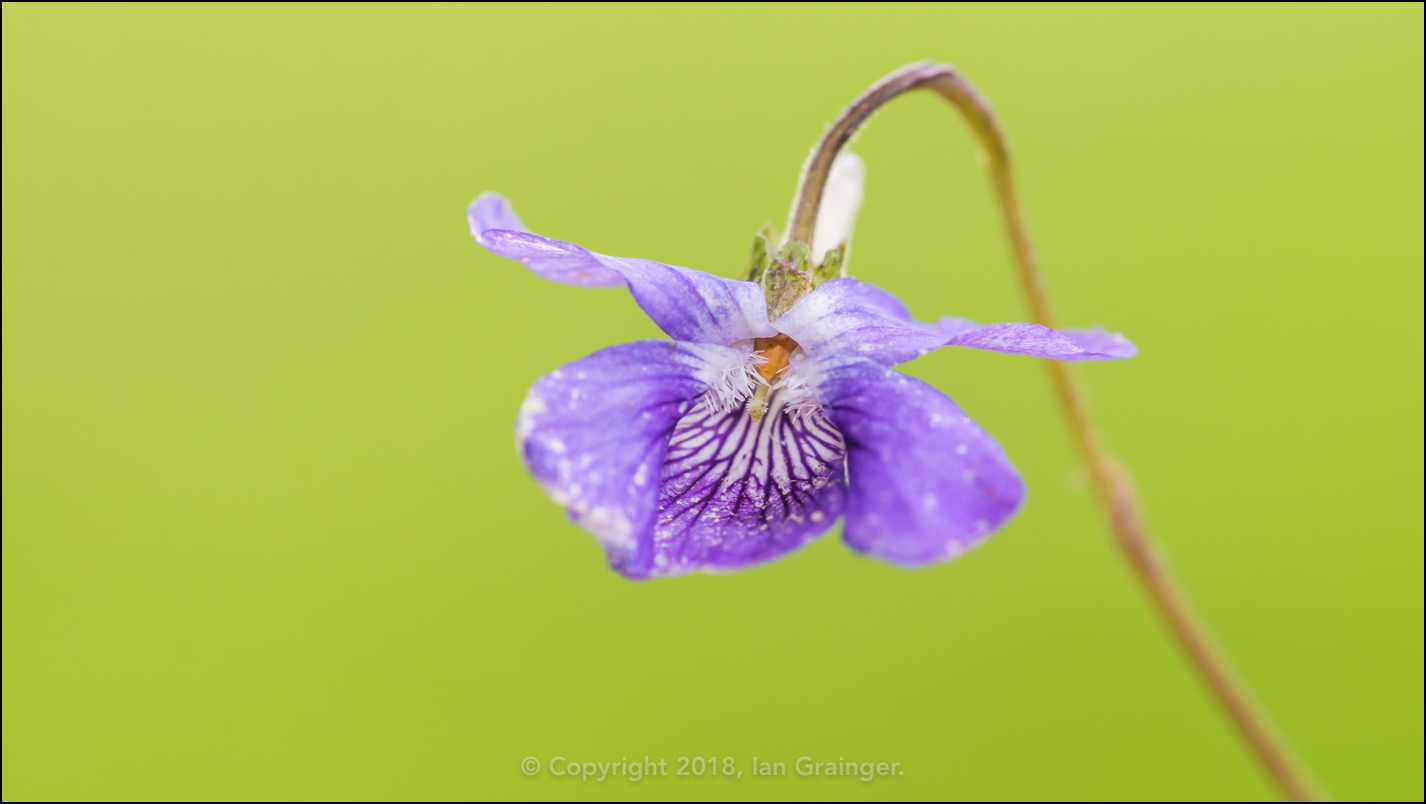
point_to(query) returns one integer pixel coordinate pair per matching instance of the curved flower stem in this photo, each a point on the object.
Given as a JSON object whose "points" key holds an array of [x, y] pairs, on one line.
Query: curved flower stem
{"points": [[1111, 481]]}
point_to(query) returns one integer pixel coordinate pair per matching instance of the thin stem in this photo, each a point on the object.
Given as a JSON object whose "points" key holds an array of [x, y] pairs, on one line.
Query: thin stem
{"points": [[1111, 481]]}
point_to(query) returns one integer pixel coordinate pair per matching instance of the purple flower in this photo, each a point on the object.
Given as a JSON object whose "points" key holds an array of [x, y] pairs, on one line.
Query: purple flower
{"points": [[773, 410]]}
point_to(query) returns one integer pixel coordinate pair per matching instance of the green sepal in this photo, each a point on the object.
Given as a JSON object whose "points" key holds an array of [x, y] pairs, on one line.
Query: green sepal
{"points": [[833, 265], [758, 259], [786, 279]]}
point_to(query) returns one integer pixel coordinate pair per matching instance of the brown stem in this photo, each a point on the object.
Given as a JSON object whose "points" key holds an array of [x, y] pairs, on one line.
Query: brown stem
{"points": [[1116, 493]]}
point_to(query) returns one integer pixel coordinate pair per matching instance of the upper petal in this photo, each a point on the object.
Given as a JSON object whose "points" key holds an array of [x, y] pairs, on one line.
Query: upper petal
{"points": [[1099, 344], [693, 306], [595, 432], [926, 483], [492, 211], [953, 325], [1037, 341], [554, 260], [849, 318], [689, 305]]}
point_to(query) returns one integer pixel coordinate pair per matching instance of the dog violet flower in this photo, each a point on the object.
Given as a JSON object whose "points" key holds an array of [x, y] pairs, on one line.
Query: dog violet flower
{"points": [[775, 409], [772, 411]]}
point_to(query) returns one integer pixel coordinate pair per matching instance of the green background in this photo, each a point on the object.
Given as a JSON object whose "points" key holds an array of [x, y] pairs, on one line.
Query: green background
{"points": [[265, 533]]}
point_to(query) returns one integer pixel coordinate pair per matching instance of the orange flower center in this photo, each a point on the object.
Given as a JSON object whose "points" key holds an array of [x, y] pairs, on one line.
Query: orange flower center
{"points": [[775, 350]]}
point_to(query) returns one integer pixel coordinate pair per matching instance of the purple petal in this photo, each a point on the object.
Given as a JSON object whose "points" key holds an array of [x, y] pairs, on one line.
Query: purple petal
{"points": [[848, 318], [737, 492], [594, 433], [951, 326], [492, 211], [689, 305], [1101, 345], [852, 318], [1037, 341], [565, 263], [872, 299], [693, 306], [926, 483]]}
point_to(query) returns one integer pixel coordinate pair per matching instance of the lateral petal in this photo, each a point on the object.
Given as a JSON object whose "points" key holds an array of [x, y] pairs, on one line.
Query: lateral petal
{"points": [[925, 482], [595, 432], [686, 304]]}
